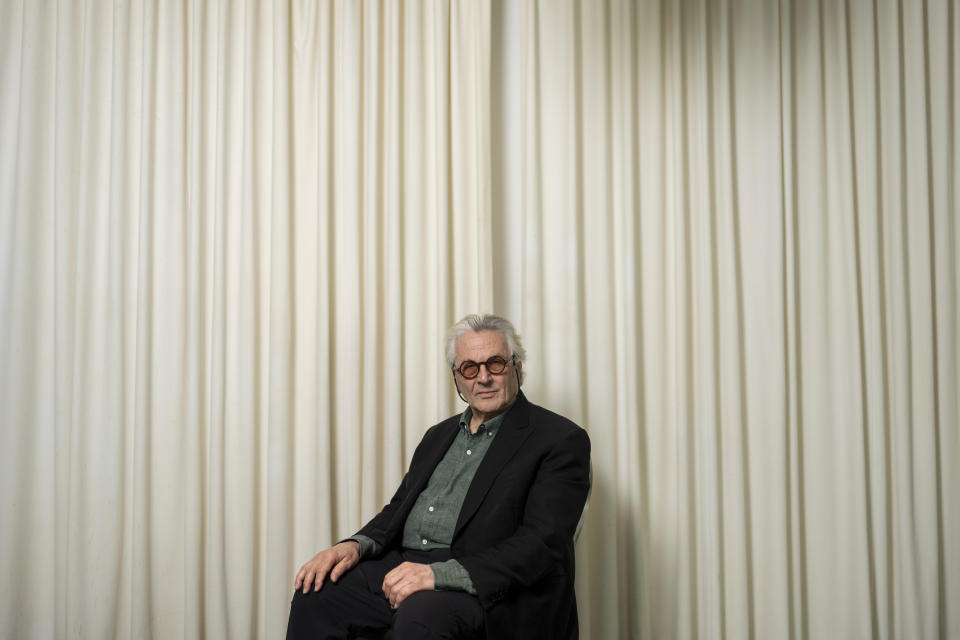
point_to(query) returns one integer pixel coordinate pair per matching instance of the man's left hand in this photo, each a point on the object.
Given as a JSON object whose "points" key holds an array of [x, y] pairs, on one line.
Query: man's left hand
{"points": [[407, 578]]}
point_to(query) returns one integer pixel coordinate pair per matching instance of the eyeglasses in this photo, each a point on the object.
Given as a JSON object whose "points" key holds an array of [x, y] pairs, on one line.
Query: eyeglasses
{"points": [[495, 366]]}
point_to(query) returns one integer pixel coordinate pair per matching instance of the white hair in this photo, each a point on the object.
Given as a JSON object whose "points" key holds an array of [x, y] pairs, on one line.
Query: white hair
{"points": [[486, 322]]}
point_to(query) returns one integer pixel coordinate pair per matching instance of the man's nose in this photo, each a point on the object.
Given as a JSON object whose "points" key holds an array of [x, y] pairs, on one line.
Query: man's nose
{"points": [[484, 375]]}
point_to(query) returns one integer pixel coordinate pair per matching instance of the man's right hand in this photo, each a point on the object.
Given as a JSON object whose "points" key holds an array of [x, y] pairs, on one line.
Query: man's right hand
{"points": [[336, 561]]}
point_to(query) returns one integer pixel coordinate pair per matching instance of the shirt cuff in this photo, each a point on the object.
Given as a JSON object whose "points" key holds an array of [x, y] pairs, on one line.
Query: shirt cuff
{"points": [[368, 546], [451, 576]]}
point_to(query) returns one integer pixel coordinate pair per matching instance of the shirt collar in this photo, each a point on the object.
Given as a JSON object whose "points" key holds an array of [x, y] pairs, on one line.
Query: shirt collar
{"points": [[490, 425]]}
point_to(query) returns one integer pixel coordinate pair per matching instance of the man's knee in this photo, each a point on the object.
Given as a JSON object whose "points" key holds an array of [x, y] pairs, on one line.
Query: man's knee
{"points": [[307, 610], [439, 614], [323, 613]]}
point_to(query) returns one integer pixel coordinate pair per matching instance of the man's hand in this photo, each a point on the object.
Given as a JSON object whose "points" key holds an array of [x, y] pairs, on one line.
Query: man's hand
{"points": [[336, 561], [407, 578]]}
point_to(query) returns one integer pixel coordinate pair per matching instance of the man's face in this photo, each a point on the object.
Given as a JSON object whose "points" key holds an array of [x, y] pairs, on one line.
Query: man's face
{"points": [[487, 394]]}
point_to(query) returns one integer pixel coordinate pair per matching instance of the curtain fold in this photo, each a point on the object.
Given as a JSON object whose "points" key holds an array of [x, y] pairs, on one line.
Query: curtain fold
{"points": [[745, 211], [233, 234]]}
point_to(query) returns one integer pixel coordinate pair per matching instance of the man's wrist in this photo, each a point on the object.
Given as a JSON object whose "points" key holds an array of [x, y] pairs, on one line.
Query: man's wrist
{"points": [[451, 576], [368, 547]]}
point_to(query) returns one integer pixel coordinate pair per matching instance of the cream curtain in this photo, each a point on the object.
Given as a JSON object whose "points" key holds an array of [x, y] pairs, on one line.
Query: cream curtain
{"points": [[232, 235], [729, 231]]}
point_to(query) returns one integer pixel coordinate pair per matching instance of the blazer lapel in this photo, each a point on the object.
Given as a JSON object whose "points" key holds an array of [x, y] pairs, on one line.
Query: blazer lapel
{"points": [[432, 457], [513, 433]]}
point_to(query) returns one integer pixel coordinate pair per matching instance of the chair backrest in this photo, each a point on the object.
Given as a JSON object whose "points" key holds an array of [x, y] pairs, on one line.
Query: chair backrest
{"points": [[583, 514]]}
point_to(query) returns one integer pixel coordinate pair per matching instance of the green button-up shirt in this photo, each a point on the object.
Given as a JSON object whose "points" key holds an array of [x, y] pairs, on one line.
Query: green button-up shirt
{"points": [[434, 515]]}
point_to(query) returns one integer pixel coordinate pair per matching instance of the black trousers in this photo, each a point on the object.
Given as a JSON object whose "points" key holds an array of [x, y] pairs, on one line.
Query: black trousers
{"points": [[355, 603]]}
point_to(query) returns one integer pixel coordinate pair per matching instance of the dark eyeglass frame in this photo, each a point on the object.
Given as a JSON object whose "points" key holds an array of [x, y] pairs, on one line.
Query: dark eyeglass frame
{"points": [[496, 365]]}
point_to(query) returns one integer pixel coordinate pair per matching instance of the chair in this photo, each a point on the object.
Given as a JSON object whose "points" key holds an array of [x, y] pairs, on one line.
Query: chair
{"points": [[387, 635]]}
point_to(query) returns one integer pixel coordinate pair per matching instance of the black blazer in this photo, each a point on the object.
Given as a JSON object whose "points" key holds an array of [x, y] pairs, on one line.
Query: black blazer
{"points": [[514, 535]]}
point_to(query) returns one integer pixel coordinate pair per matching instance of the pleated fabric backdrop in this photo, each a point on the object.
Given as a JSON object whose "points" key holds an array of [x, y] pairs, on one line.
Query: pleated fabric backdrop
{"points": [[232, 235]]}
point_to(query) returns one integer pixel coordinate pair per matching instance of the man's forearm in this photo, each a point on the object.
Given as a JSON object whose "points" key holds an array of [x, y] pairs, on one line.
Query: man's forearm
{"points": [[448, 576]]}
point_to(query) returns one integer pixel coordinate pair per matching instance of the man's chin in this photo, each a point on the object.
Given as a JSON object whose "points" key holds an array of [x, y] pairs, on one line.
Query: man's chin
{"points": [[489, 404]]}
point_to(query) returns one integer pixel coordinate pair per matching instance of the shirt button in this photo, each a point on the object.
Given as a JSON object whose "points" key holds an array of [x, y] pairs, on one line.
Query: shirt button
{"points": [[489, 433], [424, 541], [429, 508], [469, 452]]}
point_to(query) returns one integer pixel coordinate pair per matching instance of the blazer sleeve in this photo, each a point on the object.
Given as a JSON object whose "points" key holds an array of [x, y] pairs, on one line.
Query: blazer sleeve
{"points": [[542, 544]]}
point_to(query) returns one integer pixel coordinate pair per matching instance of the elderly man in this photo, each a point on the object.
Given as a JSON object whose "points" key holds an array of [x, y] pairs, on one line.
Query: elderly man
{"points": [[478, 540]]}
